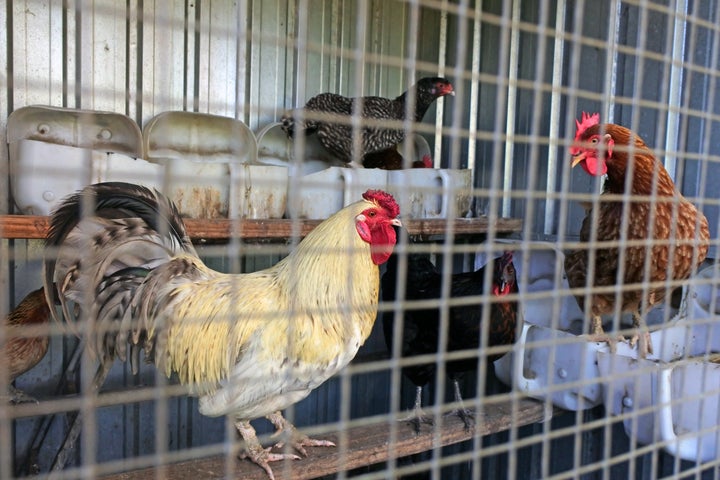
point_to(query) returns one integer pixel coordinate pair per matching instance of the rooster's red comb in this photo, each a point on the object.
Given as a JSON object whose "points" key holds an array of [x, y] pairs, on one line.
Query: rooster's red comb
{"points": [[586, 122], [384, 199]]}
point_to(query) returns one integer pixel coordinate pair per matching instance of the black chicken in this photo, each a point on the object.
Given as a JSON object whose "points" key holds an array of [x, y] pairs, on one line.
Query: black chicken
{"points": [[329, 115], [421, 326]]}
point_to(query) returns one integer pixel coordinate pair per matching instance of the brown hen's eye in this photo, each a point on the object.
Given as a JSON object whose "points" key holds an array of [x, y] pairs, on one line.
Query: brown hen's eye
{"points": [[371, 213]]}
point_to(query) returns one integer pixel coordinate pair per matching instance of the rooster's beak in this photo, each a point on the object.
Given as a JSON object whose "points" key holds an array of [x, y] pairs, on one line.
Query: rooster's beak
{"points": [[577, 159], [396, 222]]}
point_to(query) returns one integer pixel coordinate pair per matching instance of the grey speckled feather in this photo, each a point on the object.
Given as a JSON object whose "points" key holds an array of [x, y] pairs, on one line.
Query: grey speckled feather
{"points": [[330, 115]]}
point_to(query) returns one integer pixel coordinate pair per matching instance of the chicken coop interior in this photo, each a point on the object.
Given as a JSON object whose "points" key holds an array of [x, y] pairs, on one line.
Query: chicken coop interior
{"points": [[417, 239]]}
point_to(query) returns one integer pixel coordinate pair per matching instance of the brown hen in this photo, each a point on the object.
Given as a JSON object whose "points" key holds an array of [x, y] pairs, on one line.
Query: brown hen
{"points": [[659, 219], [23, 349]]}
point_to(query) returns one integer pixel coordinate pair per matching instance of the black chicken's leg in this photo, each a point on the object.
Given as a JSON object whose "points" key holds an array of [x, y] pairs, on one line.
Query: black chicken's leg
{"points": [[467, 416], [417, 416]]}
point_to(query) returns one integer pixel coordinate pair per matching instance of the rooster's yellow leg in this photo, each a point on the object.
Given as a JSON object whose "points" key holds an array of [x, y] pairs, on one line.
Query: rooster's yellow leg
{"points": [[255, 452], [296, 439], [641, 336]]}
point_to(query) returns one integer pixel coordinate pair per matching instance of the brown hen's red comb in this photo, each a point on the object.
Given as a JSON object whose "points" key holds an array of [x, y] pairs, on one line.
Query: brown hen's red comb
{"points": [[587, 122], [384, 199]]}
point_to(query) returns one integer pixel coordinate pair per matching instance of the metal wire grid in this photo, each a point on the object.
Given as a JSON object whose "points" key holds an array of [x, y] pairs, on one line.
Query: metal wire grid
{"points": [[522, 72]]}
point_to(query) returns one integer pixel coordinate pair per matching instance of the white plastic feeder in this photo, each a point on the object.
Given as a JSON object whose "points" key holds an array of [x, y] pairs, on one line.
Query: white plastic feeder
{"points": [[549, 360], [323, 193], [428, 192], [56, 151], [275, 148], [678, 387], [210, 166], [323, 184]]}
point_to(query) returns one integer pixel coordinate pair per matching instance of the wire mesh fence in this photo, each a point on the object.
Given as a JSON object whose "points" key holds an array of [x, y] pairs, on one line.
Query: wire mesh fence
{"points": [[532, 320]]}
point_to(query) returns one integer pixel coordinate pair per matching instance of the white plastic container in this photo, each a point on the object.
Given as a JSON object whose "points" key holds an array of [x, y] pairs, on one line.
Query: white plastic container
{"points": [[431, 193], [275, 148], [56, 151], [321, 184], [678, 388], [549, 360], [210, 166], [320, 194], [258, 191]]}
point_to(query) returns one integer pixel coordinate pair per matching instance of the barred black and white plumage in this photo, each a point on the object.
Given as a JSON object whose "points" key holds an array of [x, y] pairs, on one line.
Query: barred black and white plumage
{"points": [[330, 115], [102, 242]]}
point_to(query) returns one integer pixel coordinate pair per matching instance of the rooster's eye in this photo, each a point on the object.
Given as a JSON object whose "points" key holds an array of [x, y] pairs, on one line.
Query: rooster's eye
{"points": [[372, 213], [594, 140]]}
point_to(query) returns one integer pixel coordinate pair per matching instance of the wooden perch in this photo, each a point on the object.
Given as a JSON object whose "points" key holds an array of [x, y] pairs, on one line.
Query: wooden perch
{"points": [[367, 445], [35, 227]]}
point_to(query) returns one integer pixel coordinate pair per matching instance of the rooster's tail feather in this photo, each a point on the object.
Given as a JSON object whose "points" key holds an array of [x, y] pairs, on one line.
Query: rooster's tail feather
{"points": [[102, 243]]}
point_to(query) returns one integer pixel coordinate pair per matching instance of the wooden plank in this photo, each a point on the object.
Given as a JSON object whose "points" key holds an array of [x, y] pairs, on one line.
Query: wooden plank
{"points": [[367, 445], [35, 227]]}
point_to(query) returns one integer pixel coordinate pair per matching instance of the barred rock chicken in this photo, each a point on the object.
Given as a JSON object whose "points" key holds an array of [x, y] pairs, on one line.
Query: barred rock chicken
{"points": [[421, 327], [330, 116], [658, 213], [249, 345], [24, 347]]}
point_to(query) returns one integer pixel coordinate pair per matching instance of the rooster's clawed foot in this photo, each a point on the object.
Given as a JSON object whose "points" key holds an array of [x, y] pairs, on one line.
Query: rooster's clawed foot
{"points": [[253, 450], [296, 439]]}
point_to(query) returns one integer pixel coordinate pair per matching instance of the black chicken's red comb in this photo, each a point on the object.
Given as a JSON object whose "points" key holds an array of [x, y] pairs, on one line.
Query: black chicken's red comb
{"points": [[384, 199]]}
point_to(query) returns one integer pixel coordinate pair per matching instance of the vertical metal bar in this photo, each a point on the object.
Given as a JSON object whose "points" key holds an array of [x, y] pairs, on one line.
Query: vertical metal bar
{"points": [[675, 94], [555, 103], [241, 67], [513, 66], [611, 78], [474, 87], [440, 109]]}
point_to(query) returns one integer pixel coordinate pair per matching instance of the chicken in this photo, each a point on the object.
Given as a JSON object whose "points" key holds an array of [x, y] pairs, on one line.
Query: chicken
{"points": [[24, 346], [330, 116], [391, 159], [658, 213], [421, 327], [249, 345]]}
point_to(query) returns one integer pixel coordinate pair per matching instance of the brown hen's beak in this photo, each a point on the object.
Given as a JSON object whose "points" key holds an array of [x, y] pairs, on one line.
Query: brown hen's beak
{"points": [[577, 159], [396, 222]]}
